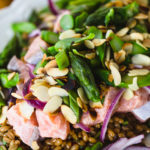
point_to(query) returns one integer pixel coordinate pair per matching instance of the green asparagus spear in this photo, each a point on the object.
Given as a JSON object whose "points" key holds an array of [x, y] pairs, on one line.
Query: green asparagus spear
{"points": [[85, 77]]}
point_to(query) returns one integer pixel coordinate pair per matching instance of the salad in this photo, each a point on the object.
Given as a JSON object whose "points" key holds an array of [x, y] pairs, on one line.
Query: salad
{"points": [[76, 76]]}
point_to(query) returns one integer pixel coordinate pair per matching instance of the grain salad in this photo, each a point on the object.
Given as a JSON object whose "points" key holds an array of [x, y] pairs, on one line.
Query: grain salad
{"points": [[76, 76]]}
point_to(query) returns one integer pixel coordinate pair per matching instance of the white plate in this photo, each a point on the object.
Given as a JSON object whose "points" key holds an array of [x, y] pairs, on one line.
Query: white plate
{"points": [[19, 10]]}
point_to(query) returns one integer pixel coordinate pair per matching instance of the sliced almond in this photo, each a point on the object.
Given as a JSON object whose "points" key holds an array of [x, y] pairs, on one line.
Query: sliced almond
{"points": [[3, 116], [40, 71], [90, 55], [16, 95], [68, 114], [108, 33], [67, 34], [35, 85], [51, 64], [141, 16], [107, 54], [56, 72], [128, 48], [26, 110], [82, 95], [128, 94], [138, 72], [89, 44], [50, 80], [96, 104], [79, 102], [141, 59], [146, 43], [98, 42], [53, 91], [149, 16], [126, 38], [11, 75], [122, 32], [53, 104], [115, 73], [77, 35], [134, 86], [136, 36], [120, 56], [35, 145], [41, 92], [139, 43], [132, 23], [39, 81]]}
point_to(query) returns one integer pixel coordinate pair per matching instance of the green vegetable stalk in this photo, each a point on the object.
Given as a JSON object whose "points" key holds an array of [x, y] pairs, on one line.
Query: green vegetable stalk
{"points": [[85, 77]]}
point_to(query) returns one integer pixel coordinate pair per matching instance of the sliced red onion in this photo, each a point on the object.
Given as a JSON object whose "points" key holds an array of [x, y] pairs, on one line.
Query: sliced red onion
{"points": [[31, 68], [26, 87], [83, 127], [53, 7], [109, 113], [137, 148], [34, 33], [36, 104], [142, 113], [123, 143]]}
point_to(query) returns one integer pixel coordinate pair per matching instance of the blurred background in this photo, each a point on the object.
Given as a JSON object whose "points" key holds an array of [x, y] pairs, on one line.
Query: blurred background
{"points": [[4, 3]]}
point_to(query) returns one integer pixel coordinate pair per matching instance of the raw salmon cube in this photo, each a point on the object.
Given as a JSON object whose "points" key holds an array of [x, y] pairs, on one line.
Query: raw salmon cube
{"points": [[52, 125]]}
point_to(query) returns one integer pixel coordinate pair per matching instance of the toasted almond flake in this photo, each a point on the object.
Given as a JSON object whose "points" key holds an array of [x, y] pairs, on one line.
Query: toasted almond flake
{"points": [[3, 116], [89, 44], [26, 110], [16, 96], [115, 73], [139, 43], [149, 16], [134, 85], [36, 81], [44, 57], [67, 34], [40, 71], [126, 38], [35, 85], [50, 80], [82, 95], [136, 36], [35, 145], [79, 102], [143, 3], [102, 27], [122, 32], [107, 54], [68, 114], [77, 35], [56, 72], [120, 56], [50, 58], [141, 59], [57, 91], [110, 78], [49, 18], [146, 35], [146, 43], [98, 42], [41, 92], [90, 55], [128, 94], [53, 104], [128, 47], [132, 23], [108, 33], [141, 16], [11, 75], [51, 64], [96, 104], [138, 72]]}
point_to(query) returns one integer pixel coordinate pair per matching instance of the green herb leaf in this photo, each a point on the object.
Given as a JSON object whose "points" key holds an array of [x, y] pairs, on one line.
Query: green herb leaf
{"points": [[67, 22], [50, 37], [23, 27]]}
